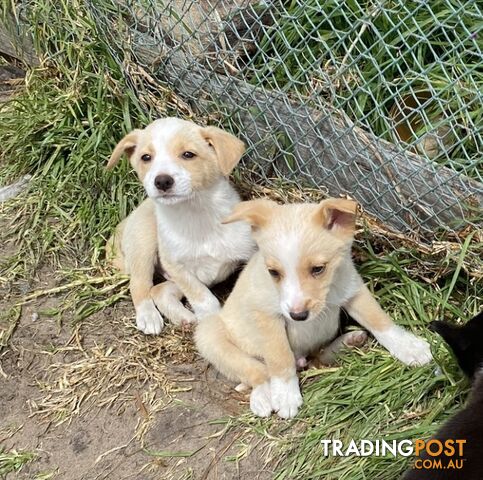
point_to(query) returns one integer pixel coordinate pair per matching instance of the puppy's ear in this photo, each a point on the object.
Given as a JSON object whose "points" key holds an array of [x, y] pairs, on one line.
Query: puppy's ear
{"points": [[126, 145], [255, 212], [337, 215], [228, 148]]}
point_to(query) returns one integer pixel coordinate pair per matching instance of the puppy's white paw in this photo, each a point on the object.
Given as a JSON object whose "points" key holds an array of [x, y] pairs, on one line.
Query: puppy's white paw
{"points": [[286, 397], [356, 338], [242, 388], [188, 320], [181, 317], [260, 400], [406, 347], [148, 318], [208, 306]]}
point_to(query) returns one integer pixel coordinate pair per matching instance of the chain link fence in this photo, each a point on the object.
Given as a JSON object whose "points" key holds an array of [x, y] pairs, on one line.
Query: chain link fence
{"points": [[379, 100]]}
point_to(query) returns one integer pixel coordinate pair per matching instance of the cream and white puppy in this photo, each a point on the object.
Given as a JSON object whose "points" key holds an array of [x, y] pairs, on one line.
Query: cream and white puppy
{"points": [[183, 168], [286, 302]]}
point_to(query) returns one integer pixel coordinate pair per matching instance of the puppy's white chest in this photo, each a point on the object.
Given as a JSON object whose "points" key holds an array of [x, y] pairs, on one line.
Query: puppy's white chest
{"points": [[209, 250], [208, 258]]}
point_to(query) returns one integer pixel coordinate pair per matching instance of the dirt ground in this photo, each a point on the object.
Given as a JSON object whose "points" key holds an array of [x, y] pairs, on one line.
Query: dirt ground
{"points": [[182, 437]]}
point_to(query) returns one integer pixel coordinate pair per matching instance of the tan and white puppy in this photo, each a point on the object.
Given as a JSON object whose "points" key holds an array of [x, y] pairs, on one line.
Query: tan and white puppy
{"points": [[286, 302], [183, 168]]}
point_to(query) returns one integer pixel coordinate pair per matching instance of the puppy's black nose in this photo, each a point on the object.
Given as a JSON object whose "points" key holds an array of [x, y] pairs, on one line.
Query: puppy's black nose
{"points": [[163, 182], [299, 315]]}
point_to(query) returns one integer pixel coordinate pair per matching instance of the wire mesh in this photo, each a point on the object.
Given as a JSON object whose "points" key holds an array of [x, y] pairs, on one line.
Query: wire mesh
{"points": [[379, 100]]}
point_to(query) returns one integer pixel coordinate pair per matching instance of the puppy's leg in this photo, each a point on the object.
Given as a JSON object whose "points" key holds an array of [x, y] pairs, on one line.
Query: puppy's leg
{"points": [[202, 301], [405, 346], [214, 344], [356, 338], [281, 365], [167, 297], [148, 318], [140, 247]]}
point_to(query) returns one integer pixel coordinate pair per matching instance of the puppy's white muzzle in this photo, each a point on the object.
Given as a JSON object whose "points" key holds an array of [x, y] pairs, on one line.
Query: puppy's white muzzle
{"points": [[168, 186]]}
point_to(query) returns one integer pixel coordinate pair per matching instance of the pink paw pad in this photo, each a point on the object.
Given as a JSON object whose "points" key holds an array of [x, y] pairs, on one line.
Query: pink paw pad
{"points": [[301, 362], [355, 339]]}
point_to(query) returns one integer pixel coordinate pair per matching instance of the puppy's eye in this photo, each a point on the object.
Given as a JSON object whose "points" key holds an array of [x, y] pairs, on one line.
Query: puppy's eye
{"points": [[188, 155], [274, 273], [317, 270], [146, 157]]}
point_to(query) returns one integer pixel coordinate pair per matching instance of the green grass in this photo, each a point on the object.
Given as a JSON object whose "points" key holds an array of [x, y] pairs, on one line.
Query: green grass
{"points": [[365, 57], [61, 129], [13, 461]]}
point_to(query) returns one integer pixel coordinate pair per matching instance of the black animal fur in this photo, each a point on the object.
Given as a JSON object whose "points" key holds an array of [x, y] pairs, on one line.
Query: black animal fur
{"points": [[467, 345]]}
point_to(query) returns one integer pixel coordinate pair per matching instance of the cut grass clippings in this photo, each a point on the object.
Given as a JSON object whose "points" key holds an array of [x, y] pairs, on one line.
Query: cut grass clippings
{"points": [[102, 375], [61, 129]]}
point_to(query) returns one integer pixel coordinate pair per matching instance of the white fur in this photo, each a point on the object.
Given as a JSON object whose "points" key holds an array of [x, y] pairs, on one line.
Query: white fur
{"points": [[148, 318], [345, 284], [405, 346], [308, 336], [354, 338], [286, 397], [209, 306], [167, 302], [189, 233], [260, 400], [193, 234], [291, 294], [163, 132]]}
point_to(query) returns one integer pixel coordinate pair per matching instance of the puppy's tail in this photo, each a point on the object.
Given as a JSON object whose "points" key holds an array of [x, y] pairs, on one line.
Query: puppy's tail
{"points": [[214, 344]]}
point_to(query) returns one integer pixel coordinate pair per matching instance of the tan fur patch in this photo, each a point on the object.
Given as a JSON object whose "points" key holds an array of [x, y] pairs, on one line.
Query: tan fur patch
{"points": [[140, 166], [256, 212], [228, 148], [203, 167], [337, 215], [126, 146], [315, 288]]}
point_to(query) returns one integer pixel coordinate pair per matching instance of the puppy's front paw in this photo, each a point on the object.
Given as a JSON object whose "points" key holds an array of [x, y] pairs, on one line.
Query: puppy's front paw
{"points": [[356, 338], [406, 347], [260, 400], [286, 397], [148, 318], [208, 306]]}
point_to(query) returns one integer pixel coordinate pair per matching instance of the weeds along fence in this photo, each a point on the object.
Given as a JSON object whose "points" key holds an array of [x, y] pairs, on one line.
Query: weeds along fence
{"points": [[379, 100]]}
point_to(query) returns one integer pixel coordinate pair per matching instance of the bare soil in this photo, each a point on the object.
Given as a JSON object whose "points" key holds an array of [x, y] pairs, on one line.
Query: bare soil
{"points": [[183, 438]]}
